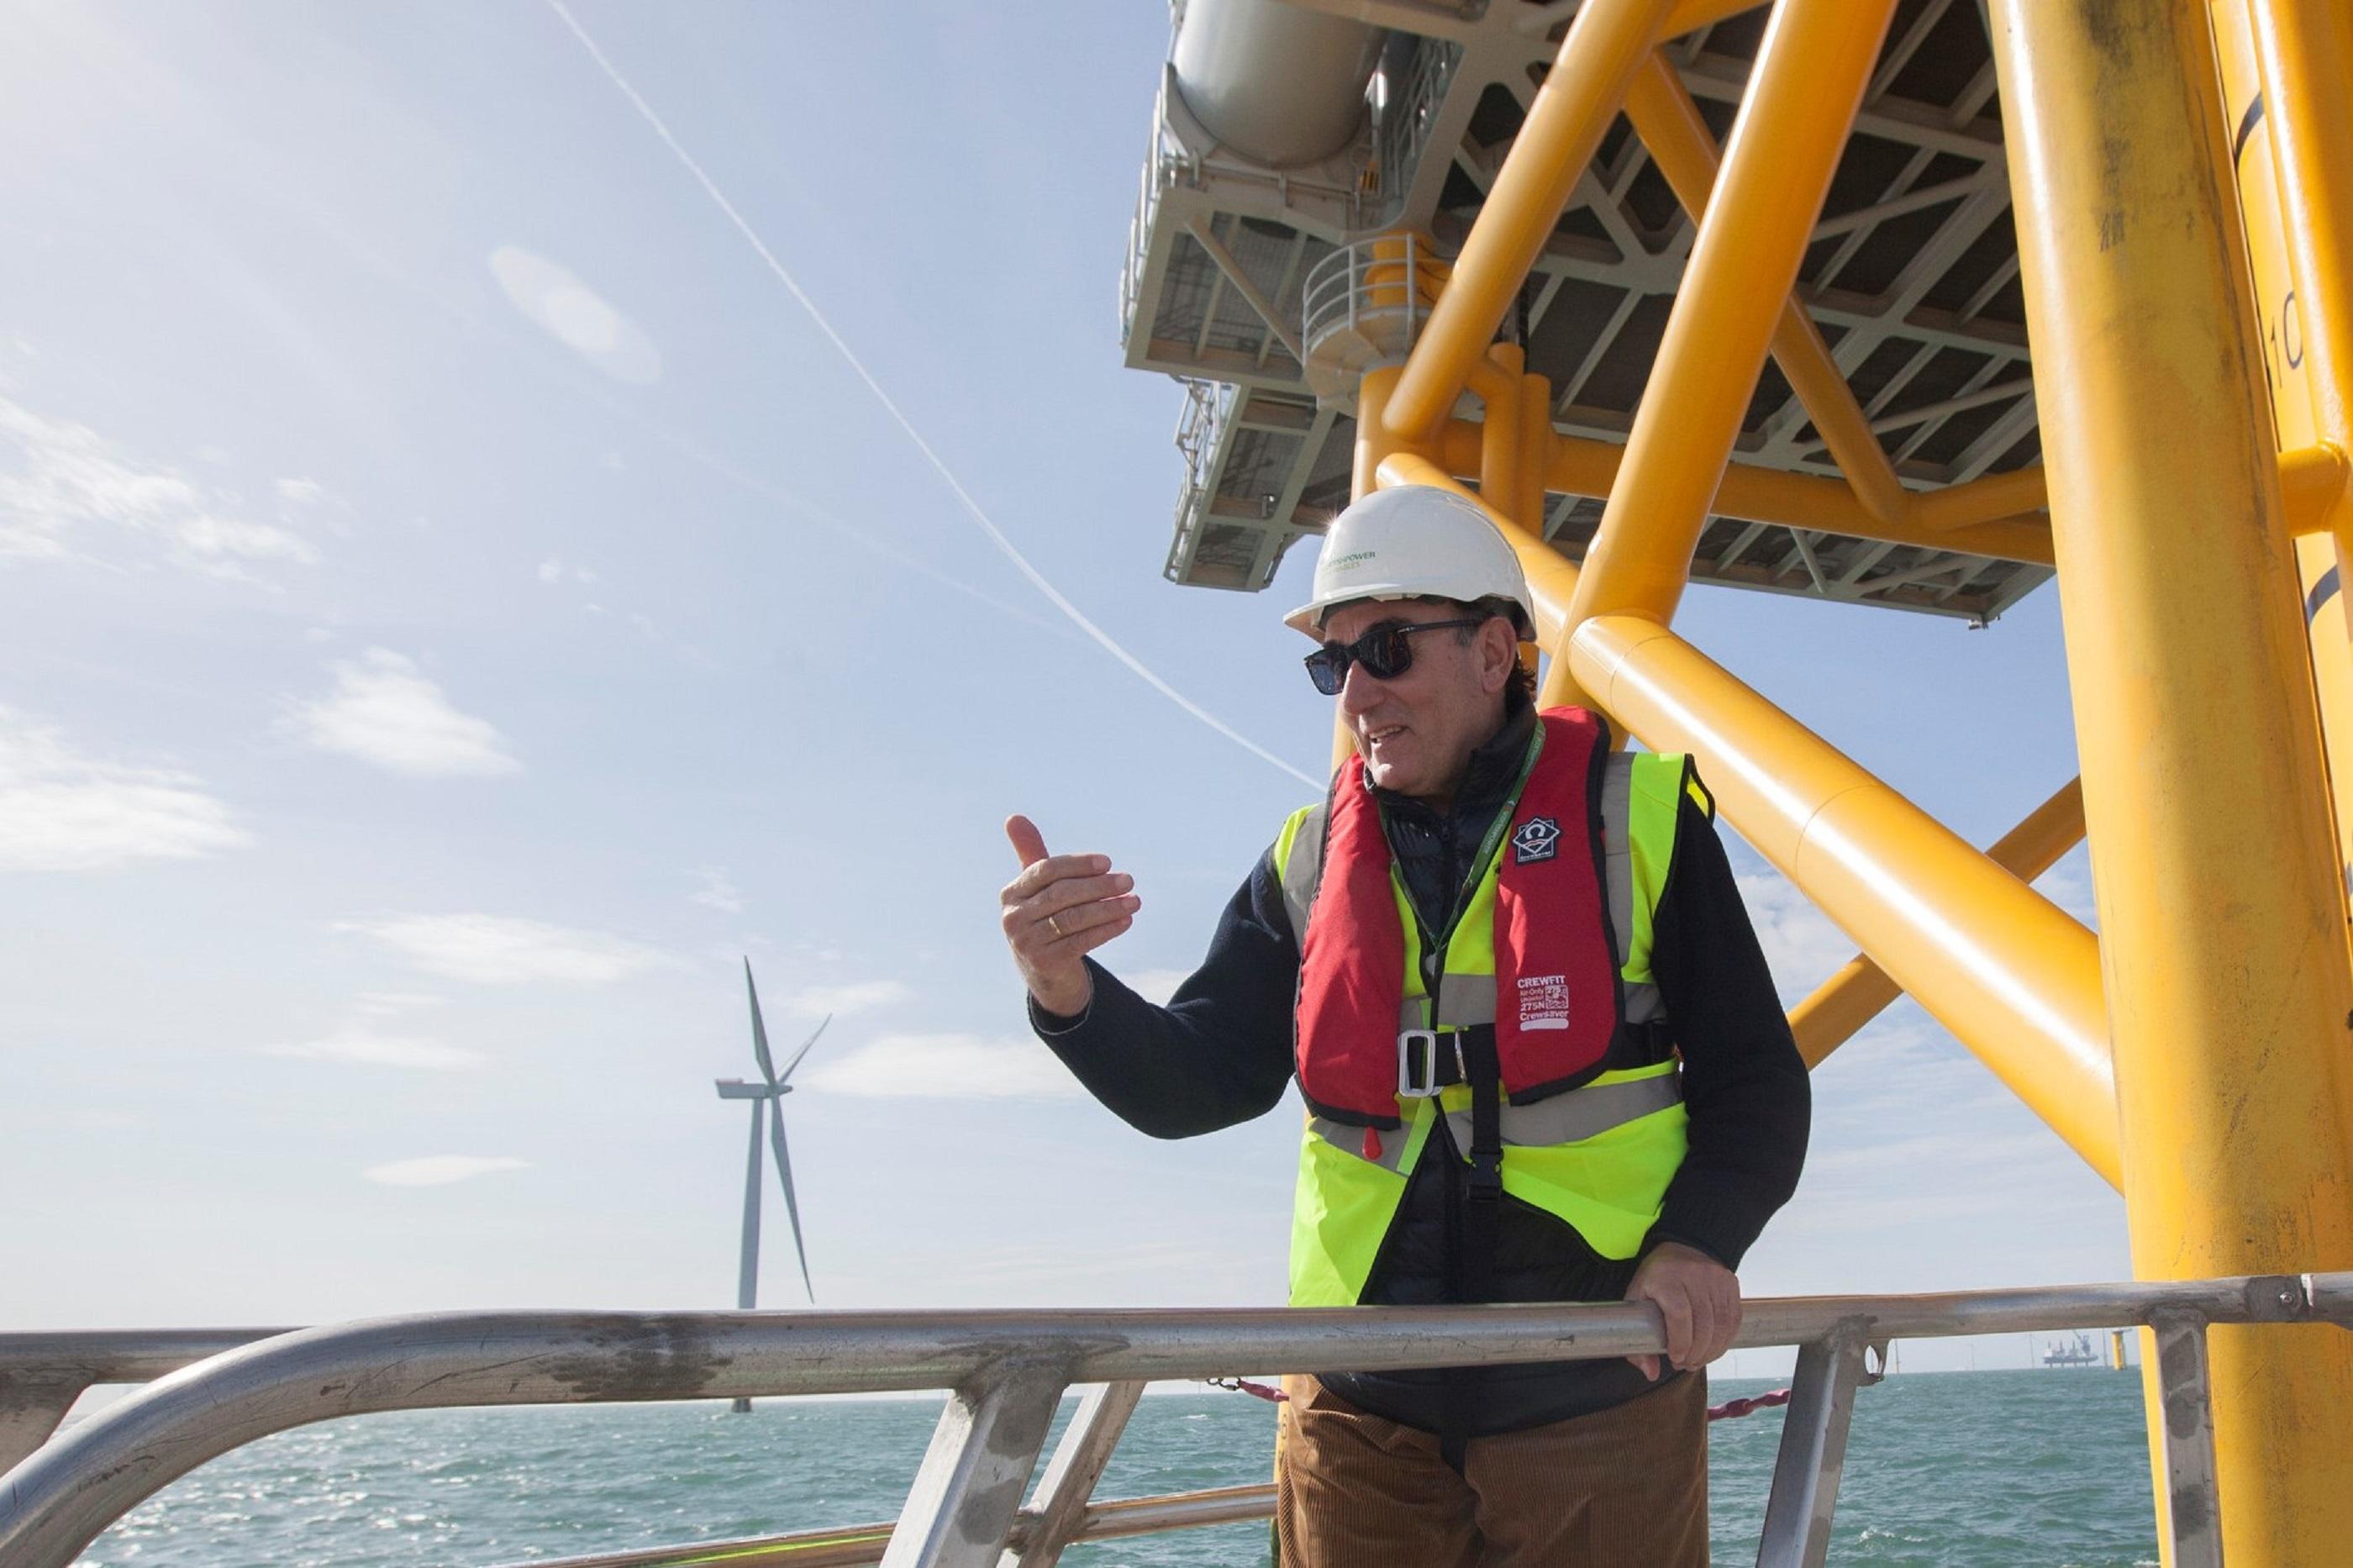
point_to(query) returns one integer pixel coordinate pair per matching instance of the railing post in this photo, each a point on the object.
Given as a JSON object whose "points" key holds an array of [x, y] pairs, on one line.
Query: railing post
{"points": [[31, 1405], [1069, 1484], [1813, 1449], [2193, 1511], [969, 1485]]}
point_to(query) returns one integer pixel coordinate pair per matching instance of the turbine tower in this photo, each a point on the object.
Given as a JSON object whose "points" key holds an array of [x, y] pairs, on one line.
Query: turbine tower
{"points": [[771, 1091]]}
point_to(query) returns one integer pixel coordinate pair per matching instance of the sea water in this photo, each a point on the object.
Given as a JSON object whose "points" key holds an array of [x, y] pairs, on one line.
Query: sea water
{"points": [[1951, 1471]]}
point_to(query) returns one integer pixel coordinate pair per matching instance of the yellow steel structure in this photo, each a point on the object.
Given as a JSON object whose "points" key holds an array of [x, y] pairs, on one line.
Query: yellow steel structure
{"points": [[1861, 989], [1607, 41], [2200, 1052], [1809, 76], [2222, 932]]}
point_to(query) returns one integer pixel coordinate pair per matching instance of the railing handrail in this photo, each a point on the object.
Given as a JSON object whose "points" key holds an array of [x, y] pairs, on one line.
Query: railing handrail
{"points": [[1000, 1362]]}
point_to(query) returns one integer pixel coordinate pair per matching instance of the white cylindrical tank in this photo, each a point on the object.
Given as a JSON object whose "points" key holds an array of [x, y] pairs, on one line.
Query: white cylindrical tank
{"points": [[1279, 84]]}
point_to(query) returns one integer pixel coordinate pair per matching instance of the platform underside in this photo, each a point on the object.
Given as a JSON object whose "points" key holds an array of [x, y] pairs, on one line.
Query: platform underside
{"points": [[1912, 278]]}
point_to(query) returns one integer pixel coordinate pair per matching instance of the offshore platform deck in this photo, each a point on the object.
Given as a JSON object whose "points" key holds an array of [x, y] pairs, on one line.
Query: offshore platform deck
{"points": [[1910, 276]]}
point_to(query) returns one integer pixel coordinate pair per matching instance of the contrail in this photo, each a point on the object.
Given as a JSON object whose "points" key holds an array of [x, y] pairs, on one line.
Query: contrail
{"points": [[972, 508]]}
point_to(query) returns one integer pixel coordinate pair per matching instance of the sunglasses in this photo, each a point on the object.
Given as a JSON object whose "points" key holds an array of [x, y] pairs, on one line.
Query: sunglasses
{"points": [[1386, 652]]}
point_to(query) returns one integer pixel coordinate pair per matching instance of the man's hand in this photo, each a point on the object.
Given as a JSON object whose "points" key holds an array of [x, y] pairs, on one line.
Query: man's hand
{"points": [[1058, 910], [1698, 1297]]}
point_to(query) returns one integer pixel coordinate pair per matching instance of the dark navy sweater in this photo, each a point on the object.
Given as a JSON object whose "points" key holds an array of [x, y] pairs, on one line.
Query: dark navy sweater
{"points": [[1220, 1052]]}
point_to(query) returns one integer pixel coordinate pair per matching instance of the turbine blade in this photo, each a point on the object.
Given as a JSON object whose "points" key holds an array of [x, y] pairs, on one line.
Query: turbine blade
{"points": [[784, 1175], [759, 1029], [798, 1054]]}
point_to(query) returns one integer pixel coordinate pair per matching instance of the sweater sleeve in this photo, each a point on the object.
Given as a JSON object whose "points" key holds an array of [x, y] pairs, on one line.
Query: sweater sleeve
{"points": [[1219, 1053], [1745, 1086]]}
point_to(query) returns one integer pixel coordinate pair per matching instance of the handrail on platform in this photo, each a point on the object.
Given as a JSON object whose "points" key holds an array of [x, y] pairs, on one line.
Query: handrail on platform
{"points": [[1007, 1371]]}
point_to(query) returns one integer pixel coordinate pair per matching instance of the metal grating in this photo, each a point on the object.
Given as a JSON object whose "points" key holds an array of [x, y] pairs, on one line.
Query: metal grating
{"points": [[1912, 278]]}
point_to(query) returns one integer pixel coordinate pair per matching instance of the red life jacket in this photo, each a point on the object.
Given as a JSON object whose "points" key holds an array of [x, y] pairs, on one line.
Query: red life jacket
{"points": [[1556, 972]]}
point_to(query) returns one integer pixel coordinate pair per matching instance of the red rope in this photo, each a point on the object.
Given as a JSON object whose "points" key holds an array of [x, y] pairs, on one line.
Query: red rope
{"points": [[1732, 1408]]}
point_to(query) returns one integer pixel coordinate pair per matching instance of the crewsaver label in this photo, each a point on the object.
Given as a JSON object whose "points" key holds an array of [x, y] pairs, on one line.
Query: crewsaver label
{"points": [[1544, 1002]]}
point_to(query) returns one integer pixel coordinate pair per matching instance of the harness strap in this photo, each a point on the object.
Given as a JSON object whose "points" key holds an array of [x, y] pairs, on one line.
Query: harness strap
{"points": [[1481, 1217], [1486, 1155]]}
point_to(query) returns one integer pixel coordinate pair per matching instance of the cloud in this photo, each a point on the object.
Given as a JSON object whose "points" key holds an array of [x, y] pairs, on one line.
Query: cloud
{"points": [[440, 1169], [68, 484], [717, 893], [356, 1043], [555, 568], [385, 713], [1156, 985], [576, 315], [301, 492], [62, 810], [1802, 947], [861, 996], [948, 1067], [501, 950], [390, 1004]]}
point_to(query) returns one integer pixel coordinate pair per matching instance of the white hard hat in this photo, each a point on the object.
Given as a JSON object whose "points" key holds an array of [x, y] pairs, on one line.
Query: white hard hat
{"points": [[1413, 542]]}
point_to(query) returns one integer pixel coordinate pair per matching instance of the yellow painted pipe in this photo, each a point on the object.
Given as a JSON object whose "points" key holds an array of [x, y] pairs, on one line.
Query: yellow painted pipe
{"points": [[2000, 516], [2013, 494], [1689, 16], [2312, 470], [1587, 468], [1498, 387], [1802, 96], [2011, 975], [1681, 144], [2312, 487], [1860, 990], [2222, 936], [2305, 51], [1537, 441], [1374, 441], [1784, 144], [1579, 96]]}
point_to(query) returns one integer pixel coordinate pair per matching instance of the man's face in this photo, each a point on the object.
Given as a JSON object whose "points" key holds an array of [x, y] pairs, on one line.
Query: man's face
{"points": [[1417, 732]]}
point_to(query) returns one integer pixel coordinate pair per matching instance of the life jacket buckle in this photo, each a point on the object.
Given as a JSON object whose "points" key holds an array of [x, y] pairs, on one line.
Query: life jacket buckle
{"points": [[1418, 1063]]}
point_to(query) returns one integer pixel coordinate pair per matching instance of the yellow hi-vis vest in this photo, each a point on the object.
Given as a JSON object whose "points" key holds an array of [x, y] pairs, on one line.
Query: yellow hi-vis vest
{"points": [[1598, 1158]]}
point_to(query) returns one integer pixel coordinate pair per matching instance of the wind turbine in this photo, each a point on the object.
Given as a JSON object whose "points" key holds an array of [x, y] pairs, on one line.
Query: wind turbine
{"points": [[772, 1089]]}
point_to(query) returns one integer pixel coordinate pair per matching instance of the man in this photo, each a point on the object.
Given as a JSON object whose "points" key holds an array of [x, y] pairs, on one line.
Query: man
{"points": [[1541, 1053]]}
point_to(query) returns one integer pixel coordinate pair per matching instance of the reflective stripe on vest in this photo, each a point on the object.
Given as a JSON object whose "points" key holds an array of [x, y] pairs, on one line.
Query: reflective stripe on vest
{"points": [[1598, 1158], [1532, 932]]}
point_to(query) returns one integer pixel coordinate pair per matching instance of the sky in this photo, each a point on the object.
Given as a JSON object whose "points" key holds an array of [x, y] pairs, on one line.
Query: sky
{"points": [[458, 601]]}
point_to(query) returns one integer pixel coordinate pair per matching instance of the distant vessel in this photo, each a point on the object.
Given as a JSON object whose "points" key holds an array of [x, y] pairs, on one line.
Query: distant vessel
{"points": [[2077, 1352]]}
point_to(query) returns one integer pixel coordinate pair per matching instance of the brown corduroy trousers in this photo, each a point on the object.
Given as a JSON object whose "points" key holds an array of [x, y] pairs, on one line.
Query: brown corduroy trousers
{"points": [[1625, 1488]]}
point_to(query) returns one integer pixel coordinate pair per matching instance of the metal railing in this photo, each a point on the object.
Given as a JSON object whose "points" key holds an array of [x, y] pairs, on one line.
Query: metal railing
{"points": [[1203, 426], [1408, 115], [1364, 305], [1164, 162], [1008, 1370]]}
